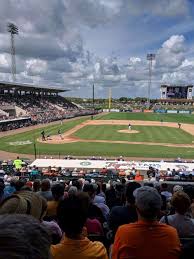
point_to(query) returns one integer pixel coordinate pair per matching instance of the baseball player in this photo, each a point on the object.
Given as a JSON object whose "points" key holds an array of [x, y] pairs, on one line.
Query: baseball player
{"points": [[59, 133], [43, 135]]}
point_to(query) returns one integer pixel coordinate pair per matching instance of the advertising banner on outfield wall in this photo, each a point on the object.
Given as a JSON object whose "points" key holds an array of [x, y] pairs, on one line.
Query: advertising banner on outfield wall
{"points": [[111, 110], [147, 111], [185, 112], [116, 165], [160, 111], [172, 111], [137, 110]]}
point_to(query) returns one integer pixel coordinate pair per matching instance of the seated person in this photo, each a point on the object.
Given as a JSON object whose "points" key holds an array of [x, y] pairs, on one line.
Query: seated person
{"points": [[165, 192], [58, 195], [183, 224], [147, 238], [94, 227], [28, 202], [138, 176], [94, 210], [46, 190], [22, 236], [72, 214], [121, 215], [34, 173]]}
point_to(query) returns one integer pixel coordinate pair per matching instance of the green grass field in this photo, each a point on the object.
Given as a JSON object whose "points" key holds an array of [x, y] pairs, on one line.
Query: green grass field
{"points": [[157, 134], [182, 118], [147, 134]]}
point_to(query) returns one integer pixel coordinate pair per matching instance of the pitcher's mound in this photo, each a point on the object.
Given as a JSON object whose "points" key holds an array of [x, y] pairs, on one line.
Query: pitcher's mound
{"points": [[128, 131]]}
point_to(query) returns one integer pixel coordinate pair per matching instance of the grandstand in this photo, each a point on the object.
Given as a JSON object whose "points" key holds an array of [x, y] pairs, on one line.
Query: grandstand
{"points": [[41, 104]]}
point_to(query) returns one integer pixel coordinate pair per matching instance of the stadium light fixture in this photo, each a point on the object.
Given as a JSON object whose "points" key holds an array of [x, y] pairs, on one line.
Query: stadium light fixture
{"points": [[150, 58], [13, 30]]}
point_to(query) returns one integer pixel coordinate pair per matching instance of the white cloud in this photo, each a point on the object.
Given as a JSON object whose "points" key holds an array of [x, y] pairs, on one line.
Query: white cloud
{"points": [[5, 65], [134, 60], [187, 63], [36, 67], [175, 44], [172, 53]]}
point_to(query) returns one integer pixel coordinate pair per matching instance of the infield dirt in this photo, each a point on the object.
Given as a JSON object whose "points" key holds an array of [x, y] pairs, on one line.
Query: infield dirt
{"points": [[67, 137]]}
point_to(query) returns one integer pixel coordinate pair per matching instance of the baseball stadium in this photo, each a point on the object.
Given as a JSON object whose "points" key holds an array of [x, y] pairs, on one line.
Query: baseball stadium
{"points": [[97, 129], [153, 134]]}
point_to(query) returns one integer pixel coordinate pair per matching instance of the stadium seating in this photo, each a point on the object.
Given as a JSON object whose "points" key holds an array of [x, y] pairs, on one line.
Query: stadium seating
{"points": [[41, 109]]}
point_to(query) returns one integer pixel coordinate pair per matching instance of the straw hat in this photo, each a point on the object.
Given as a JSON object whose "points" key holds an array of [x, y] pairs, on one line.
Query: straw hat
{"points": [[24, 202]]}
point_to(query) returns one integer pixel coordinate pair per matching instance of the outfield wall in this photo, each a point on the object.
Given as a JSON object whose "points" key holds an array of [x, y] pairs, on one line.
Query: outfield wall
{"points": [[151, 111], [173, 111]]}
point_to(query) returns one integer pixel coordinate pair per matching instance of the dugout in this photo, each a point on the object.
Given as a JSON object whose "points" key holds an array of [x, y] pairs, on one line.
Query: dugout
{"points": [[14, 123]]}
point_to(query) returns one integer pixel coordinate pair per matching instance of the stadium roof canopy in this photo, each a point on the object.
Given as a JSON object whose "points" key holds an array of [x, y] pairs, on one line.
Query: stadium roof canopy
{"points": [[27, 87], [175, 86]]}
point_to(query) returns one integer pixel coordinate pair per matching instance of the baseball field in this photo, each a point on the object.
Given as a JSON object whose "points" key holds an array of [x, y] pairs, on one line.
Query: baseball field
{"points": [[151, 136]]}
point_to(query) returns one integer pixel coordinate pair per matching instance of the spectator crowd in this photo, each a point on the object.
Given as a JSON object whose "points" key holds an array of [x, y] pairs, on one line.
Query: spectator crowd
{"points": [[22, 169], [87, 218], [41, 109]]}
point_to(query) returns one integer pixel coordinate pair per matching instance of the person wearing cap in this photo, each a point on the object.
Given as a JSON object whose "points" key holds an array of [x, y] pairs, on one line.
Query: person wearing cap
{"points": [[30, 203], [147, 238], [24, 202]]}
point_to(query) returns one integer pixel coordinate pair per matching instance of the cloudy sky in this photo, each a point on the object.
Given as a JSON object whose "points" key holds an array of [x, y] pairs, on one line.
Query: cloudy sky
{"points": [[76, 43]]}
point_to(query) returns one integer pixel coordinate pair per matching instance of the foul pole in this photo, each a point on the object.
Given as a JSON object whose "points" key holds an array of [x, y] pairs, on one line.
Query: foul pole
{"points": [[110, 99]]}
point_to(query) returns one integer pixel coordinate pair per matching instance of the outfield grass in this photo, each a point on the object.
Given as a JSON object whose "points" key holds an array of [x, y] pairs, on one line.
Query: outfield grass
{"points": [[159, 134], [98, 149], [106, 150], [182, 118]]}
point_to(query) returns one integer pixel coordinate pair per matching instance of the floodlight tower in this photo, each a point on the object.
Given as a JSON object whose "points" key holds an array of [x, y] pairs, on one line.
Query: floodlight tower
{"points": [[150, 58], [12, 29]]}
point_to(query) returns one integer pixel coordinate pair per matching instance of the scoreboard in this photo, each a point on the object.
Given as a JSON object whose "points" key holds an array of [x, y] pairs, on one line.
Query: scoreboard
{"points": [[176, 92]]}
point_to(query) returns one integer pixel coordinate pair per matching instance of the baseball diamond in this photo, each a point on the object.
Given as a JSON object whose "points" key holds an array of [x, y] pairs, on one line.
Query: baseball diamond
{"points": [[108, 135]]}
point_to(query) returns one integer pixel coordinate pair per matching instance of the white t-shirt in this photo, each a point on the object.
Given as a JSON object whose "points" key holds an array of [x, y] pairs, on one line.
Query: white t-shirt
{"points": [[169, 173]]}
